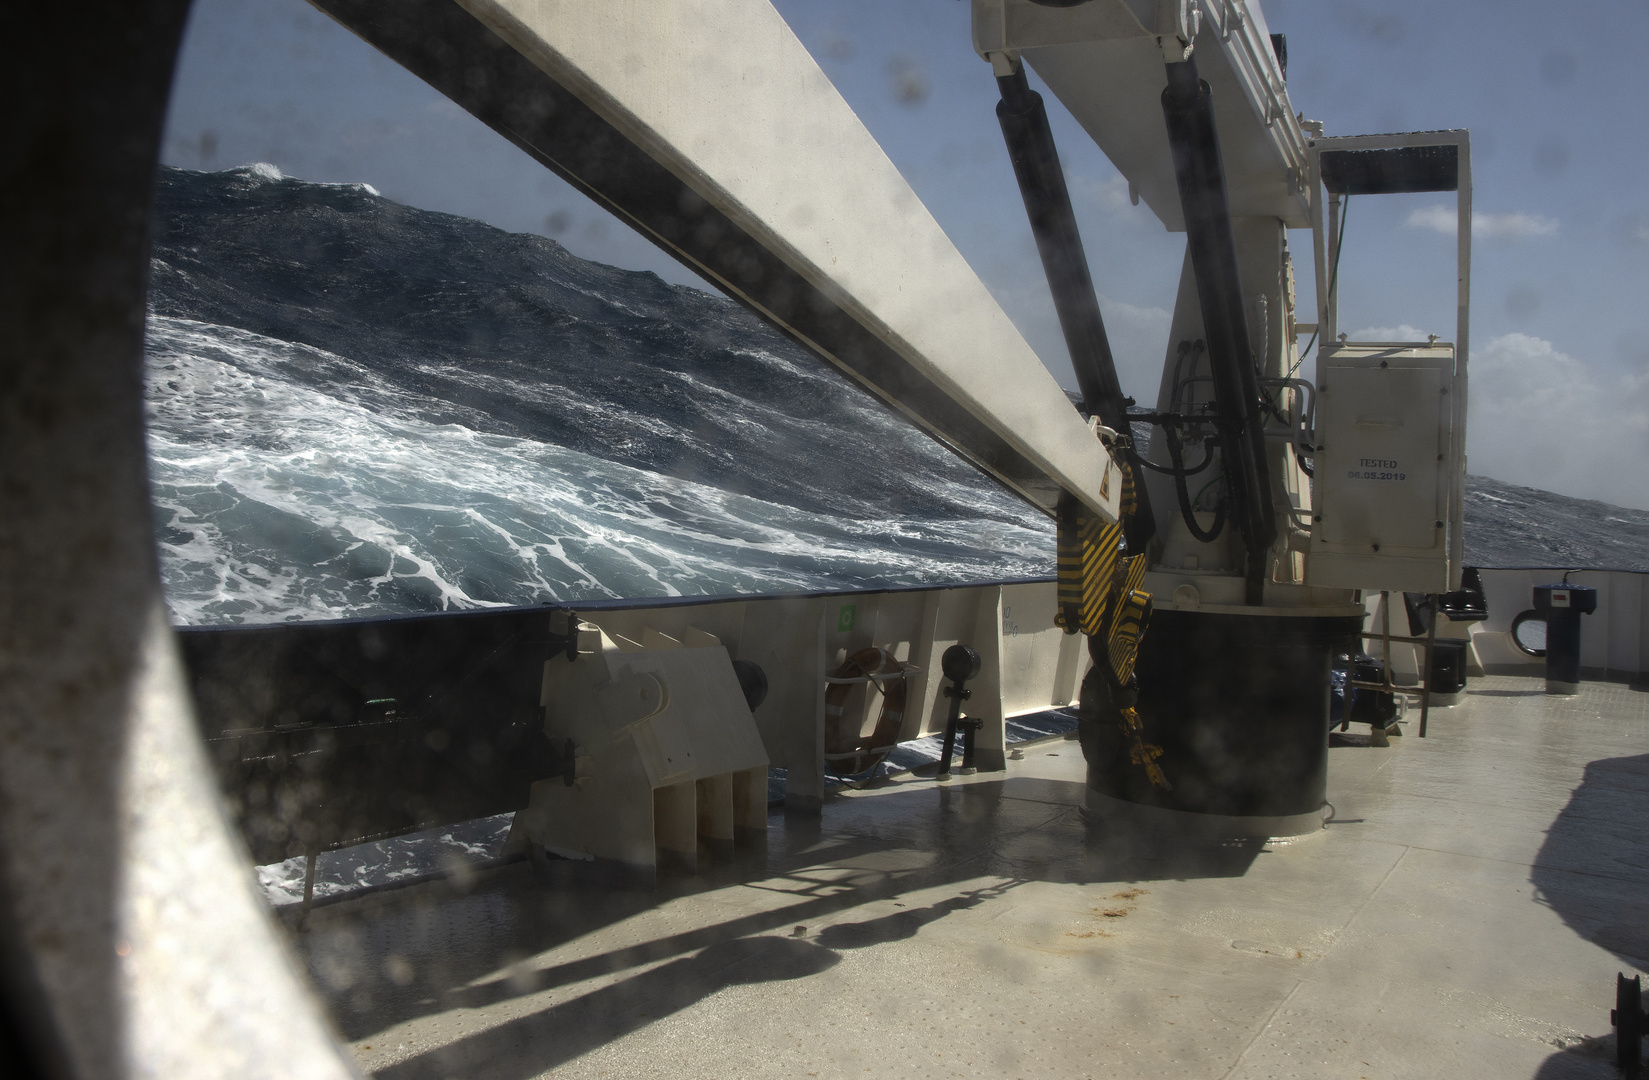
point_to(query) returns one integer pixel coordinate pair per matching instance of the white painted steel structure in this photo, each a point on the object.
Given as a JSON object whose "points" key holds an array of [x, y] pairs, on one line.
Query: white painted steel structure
{"points": [[1389, 468], [1104, 61], [1325, 231], [1029, 664]]}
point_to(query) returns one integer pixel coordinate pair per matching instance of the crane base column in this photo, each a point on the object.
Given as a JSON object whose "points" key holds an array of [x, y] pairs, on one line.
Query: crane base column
{"points": [[1238, 705]]}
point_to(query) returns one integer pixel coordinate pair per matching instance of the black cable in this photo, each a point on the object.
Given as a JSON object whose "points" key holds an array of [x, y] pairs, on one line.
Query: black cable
{"points": [[1333, 282], [1184, 495], [1194, 350], [1207, 457]]}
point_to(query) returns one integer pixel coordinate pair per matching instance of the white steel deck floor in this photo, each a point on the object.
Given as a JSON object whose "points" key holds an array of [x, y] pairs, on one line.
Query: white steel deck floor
{"points": [[1463, 916]]}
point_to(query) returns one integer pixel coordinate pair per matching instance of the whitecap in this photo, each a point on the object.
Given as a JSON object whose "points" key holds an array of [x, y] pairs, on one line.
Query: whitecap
{"points": [[292, 483]]}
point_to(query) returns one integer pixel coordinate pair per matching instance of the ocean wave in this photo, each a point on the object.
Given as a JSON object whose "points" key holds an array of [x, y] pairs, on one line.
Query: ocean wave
{"points": [[292, 483]]}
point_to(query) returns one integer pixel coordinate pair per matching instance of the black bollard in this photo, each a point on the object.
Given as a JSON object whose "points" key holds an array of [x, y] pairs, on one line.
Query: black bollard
{"points": [[1562, 606], [960, 664], [1630, 1022]]}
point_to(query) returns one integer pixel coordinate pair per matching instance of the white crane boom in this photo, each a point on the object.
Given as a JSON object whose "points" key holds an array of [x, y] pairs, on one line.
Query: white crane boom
{"points": [[1103, 59]]}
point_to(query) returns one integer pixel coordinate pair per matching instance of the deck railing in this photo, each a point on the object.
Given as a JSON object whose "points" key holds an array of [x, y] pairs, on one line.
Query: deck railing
{"points": [[1614, 639]]}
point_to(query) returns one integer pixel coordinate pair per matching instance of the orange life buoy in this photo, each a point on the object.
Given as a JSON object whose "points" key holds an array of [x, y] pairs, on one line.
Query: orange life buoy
{"points": [[847, 750]]}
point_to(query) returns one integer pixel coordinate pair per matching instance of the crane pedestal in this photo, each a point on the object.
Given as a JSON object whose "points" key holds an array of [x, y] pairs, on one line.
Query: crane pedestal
{"points": [[1238, 705]]}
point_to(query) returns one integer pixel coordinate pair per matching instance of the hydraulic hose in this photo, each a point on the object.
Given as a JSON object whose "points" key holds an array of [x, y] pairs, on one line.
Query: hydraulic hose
{"points": [[1180, 490]]}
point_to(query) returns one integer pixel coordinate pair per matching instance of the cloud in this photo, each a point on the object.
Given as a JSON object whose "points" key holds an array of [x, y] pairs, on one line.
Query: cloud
{"points": [[1513, 225], [1436, 218], [1110, 193], [1539, 417], [1390, 333]]}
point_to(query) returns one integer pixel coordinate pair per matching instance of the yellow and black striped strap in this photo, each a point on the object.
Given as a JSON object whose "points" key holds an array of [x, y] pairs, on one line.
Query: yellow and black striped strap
{"points": [[1126, 631], [1089, 550], [1100, 596]]}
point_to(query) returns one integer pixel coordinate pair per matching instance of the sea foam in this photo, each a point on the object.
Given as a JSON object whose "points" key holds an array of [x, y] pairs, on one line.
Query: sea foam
{"points": [[292, 483]]}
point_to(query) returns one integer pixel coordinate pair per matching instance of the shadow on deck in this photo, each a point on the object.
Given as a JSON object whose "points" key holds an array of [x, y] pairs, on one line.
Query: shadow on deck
{"points": [[390, 958]]}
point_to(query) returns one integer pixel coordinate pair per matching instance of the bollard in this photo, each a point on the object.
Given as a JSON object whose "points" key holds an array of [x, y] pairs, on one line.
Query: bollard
{"points": [[960, 664], [1562, 606], [1447, 679], [1630, 1022]]}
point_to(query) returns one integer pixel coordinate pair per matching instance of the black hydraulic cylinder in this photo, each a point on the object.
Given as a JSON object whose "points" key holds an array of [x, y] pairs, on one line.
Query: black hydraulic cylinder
{"points": [[1036, 166], [1188, 107]]}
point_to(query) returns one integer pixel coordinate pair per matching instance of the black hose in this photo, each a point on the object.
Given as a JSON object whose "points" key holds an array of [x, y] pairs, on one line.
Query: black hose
{"points": [[1174, 452], [1191, 525], [1184, 494]]}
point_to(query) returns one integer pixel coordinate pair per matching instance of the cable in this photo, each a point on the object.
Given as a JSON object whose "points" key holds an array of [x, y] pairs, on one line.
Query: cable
{"points": [[1194, 350], [1185, 508], [1174, 455], [1333, 283]]}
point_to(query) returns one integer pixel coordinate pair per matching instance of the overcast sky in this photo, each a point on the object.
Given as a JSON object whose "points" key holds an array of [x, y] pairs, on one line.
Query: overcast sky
{"points": [[1560, 321]]}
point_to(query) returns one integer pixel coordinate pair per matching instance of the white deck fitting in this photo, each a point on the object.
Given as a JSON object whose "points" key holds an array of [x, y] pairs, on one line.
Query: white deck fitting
{"points": [[1464, 916]]}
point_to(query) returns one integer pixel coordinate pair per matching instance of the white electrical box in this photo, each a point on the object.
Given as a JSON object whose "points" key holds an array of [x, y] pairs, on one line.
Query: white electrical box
{"points": [[1389, 469]]}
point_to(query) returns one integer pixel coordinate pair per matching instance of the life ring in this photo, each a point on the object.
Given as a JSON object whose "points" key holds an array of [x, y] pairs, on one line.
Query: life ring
{"points": [[847, 751]]}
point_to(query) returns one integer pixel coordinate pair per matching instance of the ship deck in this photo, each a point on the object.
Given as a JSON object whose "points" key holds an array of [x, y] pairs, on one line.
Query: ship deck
{"points": [[1463, 914]]}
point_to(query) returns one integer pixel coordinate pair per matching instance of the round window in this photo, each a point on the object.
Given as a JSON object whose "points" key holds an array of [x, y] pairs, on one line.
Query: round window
{"points": [[1529, 633]]}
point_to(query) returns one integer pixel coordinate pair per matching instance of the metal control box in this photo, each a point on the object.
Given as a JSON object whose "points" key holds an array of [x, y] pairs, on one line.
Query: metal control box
{"points": [[1389, 469]]}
